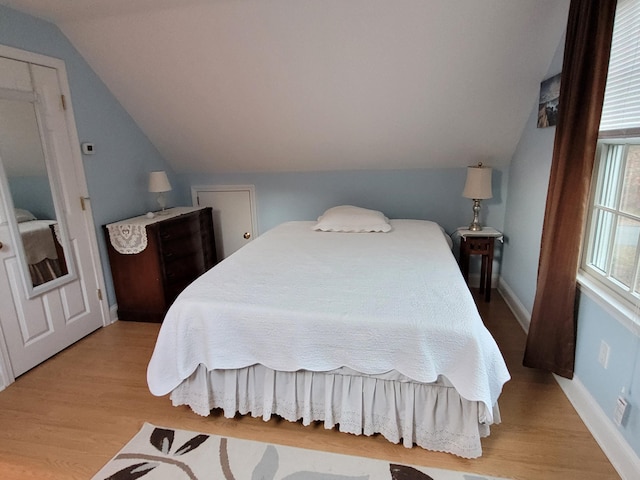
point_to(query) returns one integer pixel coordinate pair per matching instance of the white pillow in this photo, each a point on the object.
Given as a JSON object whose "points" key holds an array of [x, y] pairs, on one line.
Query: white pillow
{"points": [[23, 215], [347, 218]]}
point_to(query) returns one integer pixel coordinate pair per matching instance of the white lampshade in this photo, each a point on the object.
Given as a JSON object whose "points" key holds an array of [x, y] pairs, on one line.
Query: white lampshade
{"points": [[478, 184], [158, 182]]}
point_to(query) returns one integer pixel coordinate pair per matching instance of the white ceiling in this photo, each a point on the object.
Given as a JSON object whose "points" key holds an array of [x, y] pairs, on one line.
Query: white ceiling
{"points": [[307, 85]]}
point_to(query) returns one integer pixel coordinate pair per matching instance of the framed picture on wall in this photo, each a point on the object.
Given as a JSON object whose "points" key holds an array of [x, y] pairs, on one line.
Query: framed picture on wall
{"points": [[548, 103]]}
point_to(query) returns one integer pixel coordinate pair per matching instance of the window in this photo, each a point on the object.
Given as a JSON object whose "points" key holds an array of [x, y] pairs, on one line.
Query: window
{"points": [[611, 254], [613, 248]]}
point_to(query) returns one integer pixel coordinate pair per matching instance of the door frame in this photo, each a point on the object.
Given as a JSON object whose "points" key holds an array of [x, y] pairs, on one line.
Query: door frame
{"points": [[6, 375]]}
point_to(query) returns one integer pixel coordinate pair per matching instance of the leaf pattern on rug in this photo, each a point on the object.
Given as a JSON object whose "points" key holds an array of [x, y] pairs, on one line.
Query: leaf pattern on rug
{"points": [[404, 472], [267, 466], [192, 444], [133, 471], [162, 440]]}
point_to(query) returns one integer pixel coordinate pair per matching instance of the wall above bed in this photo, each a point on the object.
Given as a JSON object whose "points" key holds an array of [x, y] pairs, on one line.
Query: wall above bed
{"points": [[429, 194]]}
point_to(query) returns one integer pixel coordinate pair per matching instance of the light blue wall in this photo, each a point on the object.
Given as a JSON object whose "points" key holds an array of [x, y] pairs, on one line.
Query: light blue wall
{"points": [[118, 172], [623, 368], [528, 182], [33, 193], [433, 194]]}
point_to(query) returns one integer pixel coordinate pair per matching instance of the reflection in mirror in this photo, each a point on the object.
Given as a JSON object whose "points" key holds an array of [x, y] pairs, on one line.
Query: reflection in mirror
{"points": [[23, 160]]}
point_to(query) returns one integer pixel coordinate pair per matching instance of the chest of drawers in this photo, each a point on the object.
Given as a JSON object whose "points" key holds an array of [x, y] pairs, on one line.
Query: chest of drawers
{"points": [[178, 249]]}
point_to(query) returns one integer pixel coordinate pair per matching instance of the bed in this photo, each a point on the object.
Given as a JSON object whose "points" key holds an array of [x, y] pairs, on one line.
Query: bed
{"points": [[368, 332], [43, 251]]}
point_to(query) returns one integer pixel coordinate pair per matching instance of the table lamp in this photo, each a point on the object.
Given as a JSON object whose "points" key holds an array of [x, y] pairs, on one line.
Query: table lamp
{"points": [[159, 183], [477, 187]]}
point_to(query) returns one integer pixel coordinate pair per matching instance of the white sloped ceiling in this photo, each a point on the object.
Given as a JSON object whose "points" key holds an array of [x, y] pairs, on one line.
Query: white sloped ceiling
{"points": [[307, 85]]}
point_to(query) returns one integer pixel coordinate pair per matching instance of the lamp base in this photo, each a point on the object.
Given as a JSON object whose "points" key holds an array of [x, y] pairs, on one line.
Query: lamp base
{"points": [[162, 203], [475, 223]]}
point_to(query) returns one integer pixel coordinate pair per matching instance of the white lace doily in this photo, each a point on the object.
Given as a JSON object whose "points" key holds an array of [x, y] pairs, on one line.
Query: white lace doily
{"points": [[130, 236]]}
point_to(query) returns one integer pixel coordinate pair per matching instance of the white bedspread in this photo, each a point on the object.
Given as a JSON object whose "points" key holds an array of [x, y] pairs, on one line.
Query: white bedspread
{"points": [[298, 299], [38, 240]]}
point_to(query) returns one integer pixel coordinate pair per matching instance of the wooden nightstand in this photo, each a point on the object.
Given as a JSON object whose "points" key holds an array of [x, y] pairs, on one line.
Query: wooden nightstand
{"points": [[478, 243]]}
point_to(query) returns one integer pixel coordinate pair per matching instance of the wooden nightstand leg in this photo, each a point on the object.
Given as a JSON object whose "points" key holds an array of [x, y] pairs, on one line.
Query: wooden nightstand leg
{"points": [[483, 273], [487, 279], [464, 261], [487, 296]]}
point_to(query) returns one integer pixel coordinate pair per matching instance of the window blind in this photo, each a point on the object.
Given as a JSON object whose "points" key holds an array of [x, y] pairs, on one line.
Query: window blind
{"points": [[621, 109]]}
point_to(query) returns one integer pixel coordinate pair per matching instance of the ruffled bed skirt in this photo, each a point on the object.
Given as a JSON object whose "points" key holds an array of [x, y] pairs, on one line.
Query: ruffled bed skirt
{"points": [[45, 271], [433, 415]]}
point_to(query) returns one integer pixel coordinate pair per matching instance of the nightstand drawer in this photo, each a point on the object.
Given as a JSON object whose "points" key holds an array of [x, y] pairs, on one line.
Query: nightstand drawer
{"points": [[478, 246]]}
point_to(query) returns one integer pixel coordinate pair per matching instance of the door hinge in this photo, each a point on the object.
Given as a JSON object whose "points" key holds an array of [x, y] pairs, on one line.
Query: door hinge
{"points": [[82, 202], [99, 294], [198, 199], [64, 102]]}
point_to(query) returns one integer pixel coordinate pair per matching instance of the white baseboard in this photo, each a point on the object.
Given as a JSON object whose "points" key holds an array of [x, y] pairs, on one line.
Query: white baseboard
{"points": [[523, 316], [113, 312], [613, 444]]}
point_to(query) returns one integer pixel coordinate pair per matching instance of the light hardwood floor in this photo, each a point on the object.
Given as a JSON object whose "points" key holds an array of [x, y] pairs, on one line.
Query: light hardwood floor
{"points": [[69, 416]]}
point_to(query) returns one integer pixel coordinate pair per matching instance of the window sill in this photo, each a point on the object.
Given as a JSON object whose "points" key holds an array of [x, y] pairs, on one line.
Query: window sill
{"points": [[627, 315]]}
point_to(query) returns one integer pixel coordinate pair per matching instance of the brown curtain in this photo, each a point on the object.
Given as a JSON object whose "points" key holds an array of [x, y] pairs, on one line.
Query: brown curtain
{"points": [[552, 333]]}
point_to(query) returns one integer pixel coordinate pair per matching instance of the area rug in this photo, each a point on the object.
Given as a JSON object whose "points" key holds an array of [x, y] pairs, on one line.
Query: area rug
{"points": [[166, 453]]}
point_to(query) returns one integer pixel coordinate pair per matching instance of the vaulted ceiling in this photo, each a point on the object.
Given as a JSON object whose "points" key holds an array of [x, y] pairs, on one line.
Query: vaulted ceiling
{"points": [[307, 85]]}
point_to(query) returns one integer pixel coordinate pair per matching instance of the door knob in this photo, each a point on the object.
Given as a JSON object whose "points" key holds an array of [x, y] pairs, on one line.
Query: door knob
{"points": [[247, 235]]}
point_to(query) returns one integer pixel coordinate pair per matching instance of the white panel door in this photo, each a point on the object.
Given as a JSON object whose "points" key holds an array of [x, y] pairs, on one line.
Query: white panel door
{"points": [[37, 321], [233, 216]]}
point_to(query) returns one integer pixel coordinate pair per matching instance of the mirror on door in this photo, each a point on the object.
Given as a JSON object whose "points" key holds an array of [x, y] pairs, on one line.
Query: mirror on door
{"points": [[23, 161]]}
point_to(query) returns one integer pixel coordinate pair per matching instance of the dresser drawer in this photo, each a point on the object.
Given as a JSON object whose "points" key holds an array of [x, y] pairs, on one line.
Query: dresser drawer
{"points": [[178, 247], [187, 266], [179, 228], [180, 272], [172, 291], [208, 241]]}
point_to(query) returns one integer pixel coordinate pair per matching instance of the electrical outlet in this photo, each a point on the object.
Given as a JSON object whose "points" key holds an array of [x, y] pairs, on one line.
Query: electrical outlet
{"points": [[620, 411], [603, 354]]}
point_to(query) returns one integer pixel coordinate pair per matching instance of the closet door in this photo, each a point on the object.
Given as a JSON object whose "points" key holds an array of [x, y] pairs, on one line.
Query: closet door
{"points": [[45, 305], [234, 218]]}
